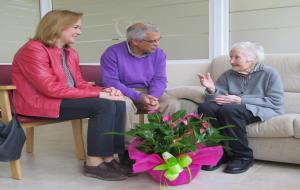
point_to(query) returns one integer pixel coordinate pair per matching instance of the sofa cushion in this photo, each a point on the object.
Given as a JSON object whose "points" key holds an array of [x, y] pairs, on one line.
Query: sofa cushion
{"points": [[193, 93], [288, 66], [291, 102], [297, 127], [280, 126]]}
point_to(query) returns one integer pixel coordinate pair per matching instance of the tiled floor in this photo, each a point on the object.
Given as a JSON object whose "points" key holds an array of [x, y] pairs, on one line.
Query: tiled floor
{"points": [[53, 165]]}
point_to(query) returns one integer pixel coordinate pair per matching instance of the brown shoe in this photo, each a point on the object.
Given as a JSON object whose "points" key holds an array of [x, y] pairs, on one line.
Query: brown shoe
{"points": [[127, 170], [104, 171]]}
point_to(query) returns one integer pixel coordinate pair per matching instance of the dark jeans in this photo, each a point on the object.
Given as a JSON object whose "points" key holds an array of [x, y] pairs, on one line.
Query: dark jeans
{"points": [[233, 114], [104, 116]]}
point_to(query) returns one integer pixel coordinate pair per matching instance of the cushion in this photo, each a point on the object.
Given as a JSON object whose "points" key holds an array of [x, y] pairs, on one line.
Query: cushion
{"points": [[280, 126], [297, 127], [291, 102], [188, 105], [194, 93]]}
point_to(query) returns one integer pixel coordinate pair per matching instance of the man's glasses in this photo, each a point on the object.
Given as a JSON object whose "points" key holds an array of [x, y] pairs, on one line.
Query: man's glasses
{"points": [[152, 41]]}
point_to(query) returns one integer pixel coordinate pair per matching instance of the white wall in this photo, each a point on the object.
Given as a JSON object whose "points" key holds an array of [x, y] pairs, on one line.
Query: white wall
{"points": [[273, 23]]}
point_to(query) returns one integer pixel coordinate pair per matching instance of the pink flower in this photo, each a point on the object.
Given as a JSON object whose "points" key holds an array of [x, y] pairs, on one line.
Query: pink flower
{"points": [[192, 115], [202, 130], [167, 118], [184, 121], [205, 124], [173, 124]]}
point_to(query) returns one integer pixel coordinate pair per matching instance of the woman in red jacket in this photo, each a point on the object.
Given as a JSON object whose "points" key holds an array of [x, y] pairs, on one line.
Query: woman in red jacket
{"points": [[49, 84]]}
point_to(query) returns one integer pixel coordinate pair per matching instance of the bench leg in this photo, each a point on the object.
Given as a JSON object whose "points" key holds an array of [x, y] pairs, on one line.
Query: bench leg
{"points": [[29, 139], [15, 167], [79, 145]]}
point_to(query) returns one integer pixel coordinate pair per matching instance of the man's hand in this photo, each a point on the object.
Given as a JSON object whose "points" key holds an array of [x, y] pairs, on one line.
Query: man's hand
{"points": [[149, 102], [228, 99]]}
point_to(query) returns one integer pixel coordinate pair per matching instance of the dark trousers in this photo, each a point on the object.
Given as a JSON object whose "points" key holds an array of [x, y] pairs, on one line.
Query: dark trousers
{"points": [[104, 116], [233, 114]]}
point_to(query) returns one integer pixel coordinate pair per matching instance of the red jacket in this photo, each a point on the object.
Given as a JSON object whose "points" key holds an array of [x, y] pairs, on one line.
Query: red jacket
{"points": [[41, 81]]}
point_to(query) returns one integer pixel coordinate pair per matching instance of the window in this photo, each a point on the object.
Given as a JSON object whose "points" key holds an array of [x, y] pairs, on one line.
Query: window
{"points": [[18, 22], [184, 25]]}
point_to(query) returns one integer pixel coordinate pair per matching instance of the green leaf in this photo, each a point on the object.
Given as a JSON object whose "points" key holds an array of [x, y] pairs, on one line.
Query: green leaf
{"points": [[178, 114], [155, 118], [226, 126]]}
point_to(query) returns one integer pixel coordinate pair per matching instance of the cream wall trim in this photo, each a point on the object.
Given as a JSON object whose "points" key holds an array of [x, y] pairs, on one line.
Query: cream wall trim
{"points": [[219, 28], [45, 6], [172, 62]]}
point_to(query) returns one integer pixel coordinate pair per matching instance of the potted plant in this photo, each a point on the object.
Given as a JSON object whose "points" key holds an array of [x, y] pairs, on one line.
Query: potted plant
{"points": [[173, 148]]}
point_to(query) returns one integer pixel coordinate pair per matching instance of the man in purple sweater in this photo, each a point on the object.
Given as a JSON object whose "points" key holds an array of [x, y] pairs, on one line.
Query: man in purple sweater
{"points": [[137, 67]]}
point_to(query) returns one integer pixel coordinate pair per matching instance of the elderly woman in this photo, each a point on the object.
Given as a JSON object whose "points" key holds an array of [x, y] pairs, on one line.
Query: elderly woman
{"points": [[249, 92]]}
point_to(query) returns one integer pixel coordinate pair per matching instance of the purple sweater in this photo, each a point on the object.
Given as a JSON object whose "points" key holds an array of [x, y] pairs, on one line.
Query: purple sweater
{"points": [[125, 72]]}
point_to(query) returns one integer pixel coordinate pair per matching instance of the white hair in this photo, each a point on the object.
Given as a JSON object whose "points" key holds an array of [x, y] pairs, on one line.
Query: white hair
{"points": [[138, 30], [253, 51]]}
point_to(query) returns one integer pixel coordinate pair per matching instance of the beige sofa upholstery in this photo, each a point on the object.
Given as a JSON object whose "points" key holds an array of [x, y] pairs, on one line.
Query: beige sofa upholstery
{"points": [[277, 139]]}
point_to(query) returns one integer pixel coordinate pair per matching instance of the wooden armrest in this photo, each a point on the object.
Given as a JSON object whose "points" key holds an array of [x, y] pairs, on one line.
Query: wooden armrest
{"points": [[8, 87], [4, 102]]}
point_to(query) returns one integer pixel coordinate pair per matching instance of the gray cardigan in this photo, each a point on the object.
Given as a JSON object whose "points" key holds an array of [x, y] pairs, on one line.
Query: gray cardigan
{"points": [[261, 90]]}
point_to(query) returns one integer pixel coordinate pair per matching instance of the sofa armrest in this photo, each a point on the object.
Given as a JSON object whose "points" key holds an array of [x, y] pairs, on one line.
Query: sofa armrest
{"points": [[193, 93]]}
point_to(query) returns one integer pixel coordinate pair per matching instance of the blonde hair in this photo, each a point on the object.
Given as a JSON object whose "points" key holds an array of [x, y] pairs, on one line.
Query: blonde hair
{"points": [[53, 23]]}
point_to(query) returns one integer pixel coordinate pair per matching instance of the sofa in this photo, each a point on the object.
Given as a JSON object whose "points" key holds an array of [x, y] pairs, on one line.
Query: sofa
{"points": [[277, 139]]}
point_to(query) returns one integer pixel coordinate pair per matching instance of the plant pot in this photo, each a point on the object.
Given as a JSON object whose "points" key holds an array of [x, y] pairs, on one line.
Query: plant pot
{"points": [[146, 163]]}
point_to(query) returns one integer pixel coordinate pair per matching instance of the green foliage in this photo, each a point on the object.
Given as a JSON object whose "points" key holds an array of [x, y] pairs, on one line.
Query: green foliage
{"points": [[176, 134]]}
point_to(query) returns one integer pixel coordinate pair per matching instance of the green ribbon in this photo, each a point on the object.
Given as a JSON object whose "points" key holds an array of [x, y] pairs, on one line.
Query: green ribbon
{"points": [[174, 166]]}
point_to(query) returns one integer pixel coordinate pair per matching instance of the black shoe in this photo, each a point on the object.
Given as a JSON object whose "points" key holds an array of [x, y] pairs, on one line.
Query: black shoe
{"points": [[124, 159], [212, 168], [126, 162], [237, 166]]}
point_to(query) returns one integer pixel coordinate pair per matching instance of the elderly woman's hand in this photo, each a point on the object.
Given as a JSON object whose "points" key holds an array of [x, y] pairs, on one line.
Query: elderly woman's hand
{"points": [[207, 82], [228, 99]]}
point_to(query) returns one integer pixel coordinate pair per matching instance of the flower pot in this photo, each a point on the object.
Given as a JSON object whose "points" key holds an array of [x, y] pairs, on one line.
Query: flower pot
{"points": [[147, 162]]}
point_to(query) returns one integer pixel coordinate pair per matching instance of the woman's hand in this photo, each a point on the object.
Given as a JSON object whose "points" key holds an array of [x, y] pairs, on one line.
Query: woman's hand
{"points": [[207, 82], [228, 99], [111, 94], [113, 91]]}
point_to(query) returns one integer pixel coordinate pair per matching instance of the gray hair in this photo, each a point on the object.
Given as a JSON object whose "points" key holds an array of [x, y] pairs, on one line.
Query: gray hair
{"points": [[138, 30], [253, 51]]}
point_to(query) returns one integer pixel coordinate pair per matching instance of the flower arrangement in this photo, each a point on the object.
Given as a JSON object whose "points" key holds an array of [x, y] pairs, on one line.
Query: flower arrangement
{"points": [[176, 134], [173, 148]]}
